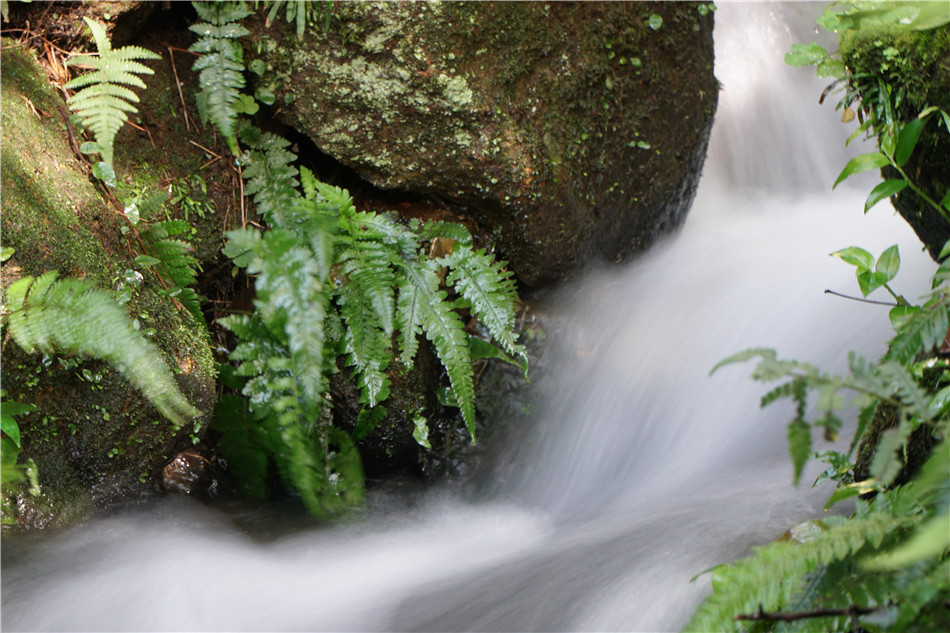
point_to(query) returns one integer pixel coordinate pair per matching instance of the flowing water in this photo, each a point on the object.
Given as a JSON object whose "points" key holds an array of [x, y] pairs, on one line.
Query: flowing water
{"points": [[639, 471]]}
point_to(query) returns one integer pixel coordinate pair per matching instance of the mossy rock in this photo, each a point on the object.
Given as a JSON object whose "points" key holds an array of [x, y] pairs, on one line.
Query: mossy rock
{"points": [[566, 130], [916, 62], [96, 440]]}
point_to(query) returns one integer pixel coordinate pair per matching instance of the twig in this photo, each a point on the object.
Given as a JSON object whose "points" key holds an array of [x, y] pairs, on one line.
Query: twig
{"points": [[200, 146], [852, 611], [844, 296], [184, 108]]}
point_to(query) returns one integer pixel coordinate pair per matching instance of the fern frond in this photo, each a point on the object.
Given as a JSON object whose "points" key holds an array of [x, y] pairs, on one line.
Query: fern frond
{"points": [[221, 64], [922, 330], [368, 279], [366, 306], [103, 103], [176, 264], [443, 328], [72, 315], [450, 230], [271, 178], [775, 574], [490, 290], [411, 306]]}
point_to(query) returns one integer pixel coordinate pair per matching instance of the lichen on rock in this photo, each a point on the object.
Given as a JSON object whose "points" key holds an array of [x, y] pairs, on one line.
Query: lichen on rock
{"points": [[566, 130]]}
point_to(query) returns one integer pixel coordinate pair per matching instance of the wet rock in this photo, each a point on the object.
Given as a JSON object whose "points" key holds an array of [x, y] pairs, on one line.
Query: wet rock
{"points": [[567, 130]]}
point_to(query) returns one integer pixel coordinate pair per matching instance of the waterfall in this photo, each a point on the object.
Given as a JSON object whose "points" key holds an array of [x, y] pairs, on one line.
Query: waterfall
{"points": [[639, 471]]}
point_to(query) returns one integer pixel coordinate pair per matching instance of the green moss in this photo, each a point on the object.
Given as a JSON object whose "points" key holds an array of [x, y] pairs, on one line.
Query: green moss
{"points": [[913, 63], [54, 218]]}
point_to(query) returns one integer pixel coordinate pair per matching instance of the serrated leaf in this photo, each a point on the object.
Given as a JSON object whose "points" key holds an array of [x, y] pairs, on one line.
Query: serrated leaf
{"points": [[799, 445], [883, 191], [72, 315], [862, 163]]}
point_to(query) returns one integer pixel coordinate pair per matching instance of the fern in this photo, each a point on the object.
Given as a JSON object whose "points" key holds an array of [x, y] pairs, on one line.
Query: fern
{"points": [[300, 12], [221, 64], [175, 264], [71, 315], [490, 292], [104, 102], [331, 280]]}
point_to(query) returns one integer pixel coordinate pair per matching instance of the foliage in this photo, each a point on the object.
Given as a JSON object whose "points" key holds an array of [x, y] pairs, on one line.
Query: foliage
{"points": [[300, 12], [889, 558], [11, 471], [882, 108], [104, 102], [73, 316], [332, 281], [176, 266], [220, 64]]}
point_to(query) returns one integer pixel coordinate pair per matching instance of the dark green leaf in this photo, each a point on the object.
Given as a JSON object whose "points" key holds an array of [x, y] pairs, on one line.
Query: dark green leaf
{"points": [[884, 190], [907, 141], [145, 260], [799, 445]]}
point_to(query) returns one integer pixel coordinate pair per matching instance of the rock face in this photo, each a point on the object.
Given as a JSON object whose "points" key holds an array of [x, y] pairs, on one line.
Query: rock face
{"points": [[95, 439], [565, 130]]}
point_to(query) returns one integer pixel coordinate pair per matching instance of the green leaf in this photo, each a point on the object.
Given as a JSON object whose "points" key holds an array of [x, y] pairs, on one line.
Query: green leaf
{"points": [[104, 102], [856, 256], [72, 315], [655, 22], [9, 426], [6, 252], [104, 172], [90, 148], [884, 190], [907, 141], [799, 445], [862, 163], [889, 263], [421, 431], [930, 541], [367, 421], [850, 491], [805, 54], [945, 203], [145, 260]]}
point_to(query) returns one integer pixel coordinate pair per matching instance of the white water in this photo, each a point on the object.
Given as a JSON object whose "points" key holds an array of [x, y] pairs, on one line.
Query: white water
{"points": [[641, 470]]}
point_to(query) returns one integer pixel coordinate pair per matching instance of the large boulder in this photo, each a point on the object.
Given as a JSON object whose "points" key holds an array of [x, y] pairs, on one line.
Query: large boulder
{"points": [[95, 439], [564, 130]]}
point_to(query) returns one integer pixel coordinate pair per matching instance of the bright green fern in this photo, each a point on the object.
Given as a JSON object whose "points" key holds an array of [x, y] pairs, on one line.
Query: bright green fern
{"points": [[174, 262], [334, 282], [104, 102], [221, 64], [72, 315]]}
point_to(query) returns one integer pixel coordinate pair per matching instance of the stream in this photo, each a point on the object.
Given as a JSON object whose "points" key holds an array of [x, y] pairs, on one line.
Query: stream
{"points": [[639, 470]]}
